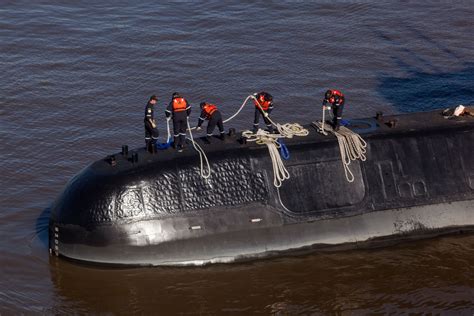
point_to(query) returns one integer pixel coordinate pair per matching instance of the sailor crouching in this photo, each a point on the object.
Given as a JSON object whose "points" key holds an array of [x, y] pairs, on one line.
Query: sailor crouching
{"points": [[263, 106], [151, 132], [211, 113]]}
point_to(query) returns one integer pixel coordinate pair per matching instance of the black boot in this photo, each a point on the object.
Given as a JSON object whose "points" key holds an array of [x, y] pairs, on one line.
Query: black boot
{"points": [[182, 141], [222, 136], [207, 140], [175, 142], [149, 146]]}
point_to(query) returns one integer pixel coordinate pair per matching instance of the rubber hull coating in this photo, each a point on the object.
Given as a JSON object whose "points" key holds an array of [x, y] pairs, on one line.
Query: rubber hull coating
{"points": [[418, 180]]}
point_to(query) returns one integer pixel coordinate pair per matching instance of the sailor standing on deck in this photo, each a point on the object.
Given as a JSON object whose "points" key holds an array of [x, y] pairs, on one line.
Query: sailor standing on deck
{"points": [[211, 113], [263, 106], [179, 110], [151, 132], [336, 99]]}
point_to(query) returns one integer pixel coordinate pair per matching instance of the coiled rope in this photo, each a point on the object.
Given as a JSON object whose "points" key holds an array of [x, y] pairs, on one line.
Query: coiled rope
{"points": [[287, 130], [262, 137], [351, 146]]}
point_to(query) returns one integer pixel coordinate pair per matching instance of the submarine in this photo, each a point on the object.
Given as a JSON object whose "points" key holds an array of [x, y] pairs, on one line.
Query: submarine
{"points": [[135, 208]]}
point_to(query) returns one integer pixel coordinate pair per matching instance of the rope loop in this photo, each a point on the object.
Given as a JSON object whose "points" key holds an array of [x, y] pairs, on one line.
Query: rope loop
{"points": [[276, 148], [202, 155], [261, 137], [351, 147]]}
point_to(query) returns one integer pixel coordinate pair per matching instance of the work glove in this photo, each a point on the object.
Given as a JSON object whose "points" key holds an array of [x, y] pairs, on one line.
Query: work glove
{"points": [[198, 128]]}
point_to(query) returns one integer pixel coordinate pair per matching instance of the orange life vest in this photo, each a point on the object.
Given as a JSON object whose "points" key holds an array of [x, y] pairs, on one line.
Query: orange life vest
{"points": [[264, 104], [209, 109], [336, 93], [179, 105]]}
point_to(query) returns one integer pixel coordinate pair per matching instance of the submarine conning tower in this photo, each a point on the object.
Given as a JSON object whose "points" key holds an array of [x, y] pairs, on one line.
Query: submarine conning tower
{"points": [[137, 208]]}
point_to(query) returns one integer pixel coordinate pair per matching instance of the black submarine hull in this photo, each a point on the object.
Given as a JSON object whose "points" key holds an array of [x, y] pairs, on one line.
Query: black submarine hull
{"points": [[418, 180]]}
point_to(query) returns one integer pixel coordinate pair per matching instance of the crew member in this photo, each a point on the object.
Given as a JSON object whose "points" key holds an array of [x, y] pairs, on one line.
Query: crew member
{"points": [[336, 99], [151, 132], [179, 109], [263, 106], [211, 113]]}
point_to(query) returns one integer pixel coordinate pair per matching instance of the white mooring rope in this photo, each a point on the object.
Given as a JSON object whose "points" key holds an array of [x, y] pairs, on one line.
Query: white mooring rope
{"points": [[202, 155], [168, 119], [240, 109], [351, 146], [262, 137], [287, 130]]}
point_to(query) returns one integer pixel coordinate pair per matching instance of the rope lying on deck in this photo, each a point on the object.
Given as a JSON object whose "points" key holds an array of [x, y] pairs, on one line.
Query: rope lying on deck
{"points": [[351, 146], [202, 155], [287, 130], [262, 137]]}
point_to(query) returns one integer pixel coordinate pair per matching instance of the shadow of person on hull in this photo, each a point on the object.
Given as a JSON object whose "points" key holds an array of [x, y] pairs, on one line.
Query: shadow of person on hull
{"points": [[427, 84]]}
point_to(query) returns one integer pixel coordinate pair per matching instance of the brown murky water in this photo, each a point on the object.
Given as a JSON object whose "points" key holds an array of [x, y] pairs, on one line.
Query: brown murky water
{"points": [[74, 81], [414, 278]]}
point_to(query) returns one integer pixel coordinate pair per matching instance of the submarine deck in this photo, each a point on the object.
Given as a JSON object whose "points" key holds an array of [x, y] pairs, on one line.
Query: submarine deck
{"points": [[409, 123]]}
